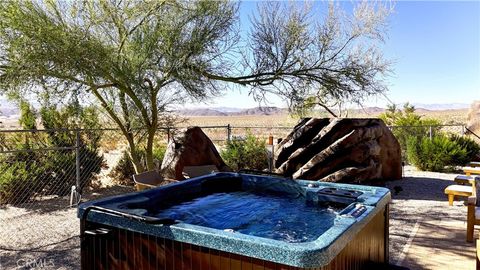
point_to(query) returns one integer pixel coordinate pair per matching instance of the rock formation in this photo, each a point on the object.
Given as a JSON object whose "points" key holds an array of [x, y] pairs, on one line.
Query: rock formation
{"points": [[339, 150], [190, 148], [473, 118]]}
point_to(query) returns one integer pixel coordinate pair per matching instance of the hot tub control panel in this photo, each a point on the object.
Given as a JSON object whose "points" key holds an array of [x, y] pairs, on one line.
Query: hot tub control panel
{"points": [[330, 194], [354, 210]]}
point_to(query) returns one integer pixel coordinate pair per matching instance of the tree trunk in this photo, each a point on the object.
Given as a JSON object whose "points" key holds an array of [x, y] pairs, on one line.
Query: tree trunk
{"points": [[136, 161], [134, 155], [328, 110], [149, 149]]}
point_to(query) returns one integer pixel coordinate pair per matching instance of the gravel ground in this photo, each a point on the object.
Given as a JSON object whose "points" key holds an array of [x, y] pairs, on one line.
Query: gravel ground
{"points": [[46, 233]]}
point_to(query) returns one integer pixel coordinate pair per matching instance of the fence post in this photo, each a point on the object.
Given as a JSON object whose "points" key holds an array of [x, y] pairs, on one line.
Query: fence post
{"points": [[430, 132], [76, 192], [77, 161], [271, 155], [168, 134], [463, 130], [229, 132]]}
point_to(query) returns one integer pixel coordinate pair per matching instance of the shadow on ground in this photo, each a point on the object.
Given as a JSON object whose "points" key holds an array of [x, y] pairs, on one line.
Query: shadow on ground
{"points": [[65, 255], [442, 229], [55, 203]]}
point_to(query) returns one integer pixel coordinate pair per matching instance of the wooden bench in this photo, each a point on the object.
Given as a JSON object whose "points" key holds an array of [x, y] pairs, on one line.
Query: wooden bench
{"points": [[471, 170], [458, 190], [464, 180]]}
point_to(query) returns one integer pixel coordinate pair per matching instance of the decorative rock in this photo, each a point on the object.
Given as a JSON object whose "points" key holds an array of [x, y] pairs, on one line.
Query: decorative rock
{"points": [[190, 148], [306, 129], [339, 150], [473, 124], [473, 118]]}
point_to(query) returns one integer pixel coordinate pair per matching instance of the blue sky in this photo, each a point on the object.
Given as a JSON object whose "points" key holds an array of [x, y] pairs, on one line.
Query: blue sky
{"points": [[435, 46]]}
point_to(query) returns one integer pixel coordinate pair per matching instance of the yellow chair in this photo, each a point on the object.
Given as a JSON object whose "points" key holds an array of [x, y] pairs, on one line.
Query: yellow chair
{"points": [[474, 164], [471, 170], [458, 190], [465, 180]]}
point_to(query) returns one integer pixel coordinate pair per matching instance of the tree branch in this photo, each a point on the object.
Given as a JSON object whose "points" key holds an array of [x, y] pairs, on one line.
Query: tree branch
{"points": [[109, 110], [327, 109]]}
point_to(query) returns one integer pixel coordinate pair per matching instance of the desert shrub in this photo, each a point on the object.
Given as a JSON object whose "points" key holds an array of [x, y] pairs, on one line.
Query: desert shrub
{"points": [[123, 171], [159, 152], [471, 147], [61, 164], [407, 123], [24, 174], [246, 154], [60, 167], [19, 180], [436, 154]]}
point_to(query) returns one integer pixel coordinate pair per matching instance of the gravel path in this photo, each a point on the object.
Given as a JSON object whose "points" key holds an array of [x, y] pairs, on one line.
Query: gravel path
{"points": [[46, 233]]}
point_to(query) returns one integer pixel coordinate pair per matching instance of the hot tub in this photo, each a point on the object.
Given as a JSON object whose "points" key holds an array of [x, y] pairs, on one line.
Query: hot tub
{"points": [[238, 221]]}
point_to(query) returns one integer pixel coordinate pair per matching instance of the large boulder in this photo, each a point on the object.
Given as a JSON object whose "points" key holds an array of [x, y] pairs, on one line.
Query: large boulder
{"points": [[473, 124], [339, 150], [190, 147]]}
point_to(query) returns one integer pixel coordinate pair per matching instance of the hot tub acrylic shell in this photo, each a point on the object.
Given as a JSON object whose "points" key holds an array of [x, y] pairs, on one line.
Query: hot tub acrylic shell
{"points": [[110, 241]]}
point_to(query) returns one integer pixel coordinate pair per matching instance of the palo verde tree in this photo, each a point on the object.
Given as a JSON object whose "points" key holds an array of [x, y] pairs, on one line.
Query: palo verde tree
{"points": [[134, 58]]}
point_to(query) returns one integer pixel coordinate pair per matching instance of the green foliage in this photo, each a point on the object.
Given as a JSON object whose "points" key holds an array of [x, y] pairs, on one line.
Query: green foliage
{"points": [[246, 154], [123, 170], [19, 180], [471, 147], [409, 124], [23, 174], [71, 117], [159, 152], [422, 143], [441, 152], [27, 116]]}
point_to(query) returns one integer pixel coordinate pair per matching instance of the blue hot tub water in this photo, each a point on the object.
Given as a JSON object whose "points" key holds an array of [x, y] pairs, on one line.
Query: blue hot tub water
{"points": [[278, 209], [283, 217]]}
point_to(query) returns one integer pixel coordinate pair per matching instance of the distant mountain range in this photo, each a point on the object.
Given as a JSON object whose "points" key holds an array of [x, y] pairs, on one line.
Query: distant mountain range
{"points": [[227, 111], [441, 107], [8, 110]]}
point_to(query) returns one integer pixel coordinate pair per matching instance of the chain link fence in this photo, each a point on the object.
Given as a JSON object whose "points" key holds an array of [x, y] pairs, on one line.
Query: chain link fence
{"points": [[39, 169]]}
